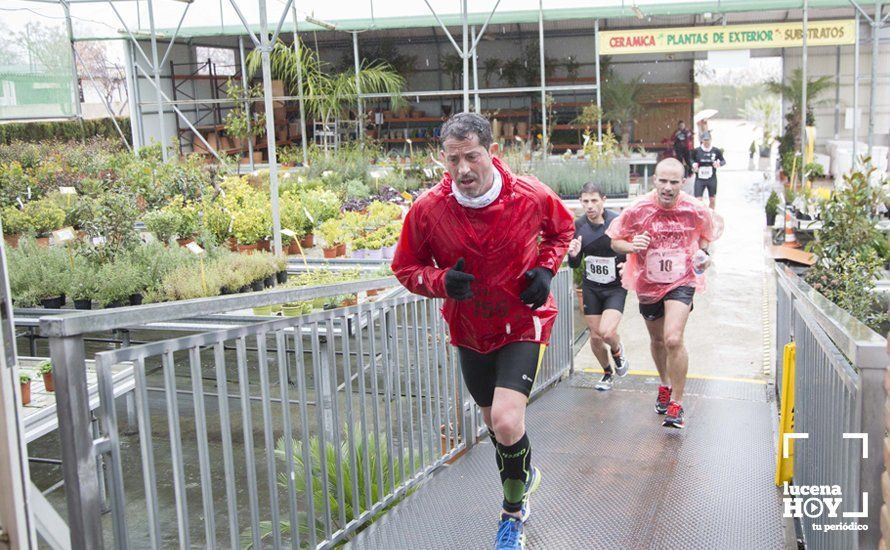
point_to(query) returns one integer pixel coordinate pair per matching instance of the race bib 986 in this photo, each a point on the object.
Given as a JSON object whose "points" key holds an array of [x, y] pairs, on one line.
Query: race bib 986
{"points": [[599, 269]]}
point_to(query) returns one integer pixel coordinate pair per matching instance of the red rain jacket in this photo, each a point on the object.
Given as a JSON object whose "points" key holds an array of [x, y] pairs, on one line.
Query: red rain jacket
{"points": [[500, 243]]}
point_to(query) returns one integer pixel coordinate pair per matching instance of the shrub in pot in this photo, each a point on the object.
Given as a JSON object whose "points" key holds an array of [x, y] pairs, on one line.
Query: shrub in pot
{"points": [[334, 236], [118, 281], [249, 226], [25, 382], [45, 369], [44, 217], [15, 222], [281, 269], [163, 224], [83, 285], [772, 208]]}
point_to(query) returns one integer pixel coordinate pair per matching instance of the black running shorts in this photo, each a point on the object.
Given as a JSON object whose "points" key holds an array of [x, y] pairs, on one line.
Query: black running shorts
{"points": [[597, 300], [655, 311], [513, 366], [701, 185]]}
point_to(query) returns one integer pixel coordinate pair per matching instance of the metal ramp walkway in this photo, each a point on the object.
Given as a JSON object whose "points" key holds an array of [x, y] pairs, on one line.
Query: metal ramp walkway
{"points": [[613, 477]]}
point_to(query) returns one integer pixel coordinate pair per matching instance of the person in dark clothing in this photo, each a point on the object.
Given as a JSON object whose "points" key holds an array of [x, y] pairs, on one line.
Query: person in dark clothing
{"points": [[602, 293], [705, 161], [683, 146]]}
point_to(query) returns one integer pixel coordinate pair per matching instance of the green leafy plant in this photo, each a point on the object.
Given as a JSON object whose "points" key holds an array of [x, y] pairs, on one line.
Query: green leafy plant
{"points": [[847, 249], [377, 458], [328, 93], [772, 204], [321, 204], [15, 221], [332, 232], [163, 223], [24, 378], [84, 281], [44, 217], [119, 280], [240, 121], [45, 367]]}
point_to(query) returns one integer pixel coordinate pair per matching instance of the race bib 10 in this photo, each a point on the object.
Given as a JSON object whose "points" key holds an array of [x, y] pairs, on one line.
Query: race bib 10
{"points": [[599, 269], [665, 265], [705, 172]]}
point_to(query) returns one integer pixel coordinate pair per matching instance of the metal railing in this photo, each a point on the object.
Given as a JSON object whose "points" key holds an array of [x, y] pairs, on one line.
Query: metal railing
{"points": [[290, 432], [839, 372]]}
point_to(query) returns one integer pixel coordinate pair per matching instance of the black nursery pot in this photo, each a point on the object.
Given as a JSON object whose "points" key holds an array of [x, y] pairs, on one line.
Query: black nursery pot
{"points": [[52, 303], [282, 277], [243, 289], [258, 285], [114, 304], [269, 281], [136, 299], [83, 304]]}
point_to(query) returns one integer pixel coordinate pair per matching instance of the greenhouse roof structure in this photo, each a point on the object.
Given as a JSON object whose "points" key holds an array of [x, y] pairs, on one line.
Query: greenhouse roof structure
{"points": [[210, 18]]}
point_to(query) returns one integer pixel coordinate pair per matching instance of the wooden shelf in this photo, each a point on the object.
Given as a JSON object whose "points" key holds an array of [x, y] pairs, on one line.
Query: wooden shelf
{"points": [[414, 119], [508, 114], [209, 127], [258, 147], [204, 77]]}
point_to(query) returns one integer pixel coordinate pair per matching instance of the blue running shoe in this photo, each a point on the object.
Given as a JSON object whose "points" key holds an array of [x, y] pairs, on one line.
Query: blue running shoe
{"points": [[510, 535], [534, 481]]}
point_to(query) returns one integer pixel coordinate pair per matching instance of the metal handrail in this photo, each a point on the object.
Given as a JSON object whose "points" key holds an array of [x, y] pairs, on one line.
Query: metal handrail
{"points": [[403, 346], [861, 345], [839, 377], [109, 319]]}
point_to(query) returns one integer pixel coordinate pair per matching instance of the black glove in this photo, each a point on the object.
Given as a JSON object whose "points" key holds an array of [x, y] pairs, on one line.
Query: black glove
{"points": [[457, 283], [538, 287]]}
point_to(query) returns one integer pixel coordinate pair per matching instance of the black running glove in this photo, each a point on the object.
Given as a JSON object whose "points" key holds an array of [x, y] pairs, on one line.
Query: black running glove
{"points": [[457, 283], [538, 289]]}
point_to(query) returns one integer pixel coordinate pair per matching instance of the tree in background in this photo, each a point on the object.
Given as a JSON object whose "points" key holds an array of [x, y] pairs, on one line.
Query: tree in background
{"points": [[791, 91], [92, 59]]}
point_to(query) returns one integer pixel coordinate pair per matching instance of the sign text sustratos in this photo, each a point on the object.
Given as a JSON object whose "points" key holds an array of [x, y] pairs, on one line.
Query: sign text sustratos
{"points": [[730, 37]]}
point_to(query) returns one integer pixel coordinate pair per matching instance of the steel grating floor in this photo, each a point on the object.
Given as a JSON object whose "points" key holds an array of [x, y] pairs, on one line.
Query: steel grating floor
{"points": [[613, 477]]}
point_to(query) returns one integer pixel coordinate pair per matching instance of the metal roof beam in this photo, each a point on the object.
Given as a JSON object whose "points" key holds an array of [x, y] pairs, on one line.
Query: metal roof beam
{"points": [[444, 28]]}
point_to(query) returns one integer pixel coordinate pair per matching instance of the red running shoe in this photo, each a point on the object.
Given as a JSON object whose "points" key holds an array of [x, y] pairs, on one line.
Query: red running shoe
{"points": [[664, 397], [674, 417]]}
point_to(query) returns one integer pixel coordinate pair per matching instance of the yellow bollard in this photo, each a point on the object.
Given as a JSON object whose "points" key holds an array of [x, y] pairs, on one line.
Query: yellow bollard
{"points": [[785, 466]]}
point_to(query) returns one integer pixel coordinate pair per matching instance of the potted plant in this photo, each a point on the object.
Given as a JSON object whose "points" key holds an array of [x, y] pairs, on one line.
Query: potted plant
{"points": [[334, 237], [349, 300], [281, 266], [45, 218], [360, 248], [45, 369], [25, 382], [241, 124], [118, 281], [15, 222], [162, 223], [249, 226], [772, 208], [83, 285]]}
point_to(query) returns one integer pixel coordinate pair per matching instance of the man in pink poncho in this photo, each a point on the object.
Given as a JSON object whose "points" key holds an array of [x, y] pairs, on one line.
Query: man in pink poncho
{"points": [[666, 236]]}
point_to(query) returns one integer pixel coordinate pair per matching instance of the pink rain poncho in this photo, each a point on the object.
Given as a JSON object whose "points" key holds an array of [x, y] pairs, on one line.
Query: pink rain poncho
{"points": [[675, 234]]}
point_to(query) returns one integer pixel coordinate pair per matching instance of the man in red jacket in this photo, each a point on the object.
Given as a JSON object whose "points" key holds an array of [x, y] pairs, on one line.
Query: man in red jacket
{"points": [[489, 242]]}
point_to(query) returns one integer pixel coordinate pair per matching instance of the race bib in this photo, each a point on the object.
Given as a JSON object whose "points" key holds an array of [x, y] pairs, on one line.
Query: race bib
{"points": [[600, 270], [705, 172], [665, 265]]}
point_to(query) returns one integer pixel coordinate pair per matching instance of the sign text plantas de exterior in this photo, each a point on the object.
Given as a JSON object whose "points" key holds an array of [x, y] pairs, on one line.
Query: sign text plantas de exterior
{"points": [[729, 37]]}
